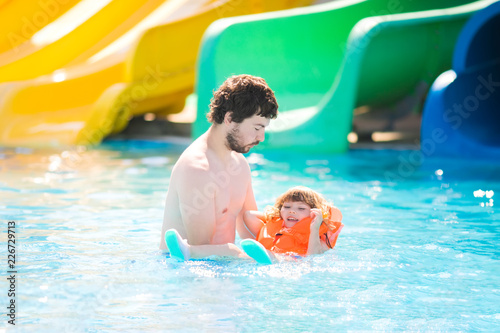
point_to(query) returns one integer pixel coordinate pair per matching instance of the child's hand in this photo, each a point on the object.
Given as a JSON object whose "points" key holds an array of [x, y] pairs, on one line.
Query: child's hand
{"points": [[317, 217]]}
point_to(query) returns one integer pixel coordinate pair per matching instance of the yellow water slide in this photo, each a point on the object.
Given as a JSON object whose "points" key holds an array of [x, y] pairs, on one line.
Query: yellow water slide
{"points": [[83, 75], [21, 19]]}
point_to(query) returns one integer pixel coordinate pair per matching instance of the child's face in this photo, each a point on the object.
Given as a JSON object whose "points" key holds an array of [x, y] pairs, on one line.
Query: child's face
{"points": [[294, 211]]}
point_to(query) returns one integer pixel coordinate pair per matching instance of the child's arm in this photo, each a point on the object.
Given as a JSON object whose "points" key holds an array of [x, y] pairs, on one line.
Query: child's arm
{"points": [[253, 220], [316, 246]]}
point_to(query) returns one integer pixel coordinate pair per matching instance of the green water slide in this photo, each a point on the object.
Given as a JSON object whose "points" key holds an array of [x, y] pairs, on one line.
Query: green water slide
{"points": [[323, 61]]}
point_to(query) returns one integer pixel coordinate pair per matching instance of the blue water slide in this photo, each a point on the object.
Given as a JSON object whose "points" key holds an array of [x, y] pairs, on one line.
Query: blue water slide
{"points": [[462, 112]]}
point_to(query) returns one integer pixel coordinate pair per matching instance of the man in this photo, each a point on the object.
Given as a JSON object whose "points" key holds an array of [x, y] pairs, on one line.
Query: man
{"points": [[210, 186]]}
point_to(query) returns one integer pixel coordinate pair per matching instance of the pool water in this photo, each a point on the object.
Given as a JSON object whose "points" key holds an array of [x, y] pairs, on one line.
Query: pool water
{"points": [[420, 250]]}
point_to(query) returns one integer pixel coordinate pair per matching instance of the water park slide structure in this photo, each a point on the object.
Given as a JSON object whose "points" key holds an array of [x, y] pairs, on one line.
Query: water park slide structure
{"points": [[91, 26], [461, 115], [88, 82], [21, 19], [325, 60]]}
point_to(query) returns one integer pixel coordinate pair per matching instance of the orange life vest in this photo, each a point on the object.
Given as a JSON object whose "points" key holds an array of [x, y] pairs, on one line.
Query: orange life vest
{"points": [[280, 239]]}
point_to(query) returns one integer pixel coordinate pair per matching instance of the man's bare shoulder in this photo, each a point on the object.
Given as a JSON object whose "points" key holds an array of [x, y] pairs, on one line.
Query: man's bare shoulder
{"points": [[238, 169], [241, 162], [191, 160], [239, 157]]}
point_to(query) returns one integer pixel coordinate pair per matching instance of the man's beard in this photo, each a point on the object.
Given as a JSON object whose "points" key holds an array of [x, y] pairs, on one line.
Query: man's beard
{"points": [[233, 143]]}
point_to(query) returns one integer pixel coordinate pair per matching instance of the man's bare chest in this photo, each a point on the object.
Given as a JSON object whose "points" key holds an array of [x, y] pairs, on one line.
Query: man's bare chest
{"points": [[229, 199]]}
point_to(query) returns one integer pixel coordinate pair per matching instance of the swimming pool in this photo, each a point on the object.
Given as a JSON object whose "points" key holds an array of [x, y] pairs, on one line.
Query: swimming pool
{"points": [[419, 251]]}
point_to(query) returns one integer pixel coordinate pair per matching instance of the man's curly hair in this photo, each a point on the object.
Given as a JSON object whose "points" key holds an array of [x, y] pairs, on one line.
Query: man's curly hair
{"points": [[243, 96]]}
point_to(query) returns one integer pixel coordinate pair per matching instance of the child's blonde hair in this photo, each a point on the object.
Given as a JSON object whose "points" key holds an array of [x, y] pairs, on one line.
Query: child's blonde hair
{"points": [[302, 194]]}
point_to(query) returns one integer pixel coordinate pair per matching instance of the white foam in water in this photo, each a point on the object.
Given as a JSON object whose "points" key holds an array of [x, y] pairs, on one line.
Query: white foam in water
{"points": [[155, 160]]}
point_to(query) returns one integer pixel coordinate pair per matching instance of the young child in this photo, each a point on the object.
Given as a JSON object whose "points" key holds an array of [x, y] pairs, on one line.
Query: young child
{"points": [[301, 222]]}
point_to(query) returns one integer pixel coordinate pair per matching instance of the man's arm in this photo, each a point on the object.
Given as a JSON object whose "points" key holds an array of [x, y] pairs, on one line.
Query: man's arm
{"points": [[252, 227]]}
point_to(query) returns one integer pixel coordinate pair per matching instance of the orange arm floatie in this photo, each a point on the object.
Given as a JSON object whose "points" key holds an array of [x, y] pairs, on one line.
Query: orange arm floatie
{"points": [[331, 227]]}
